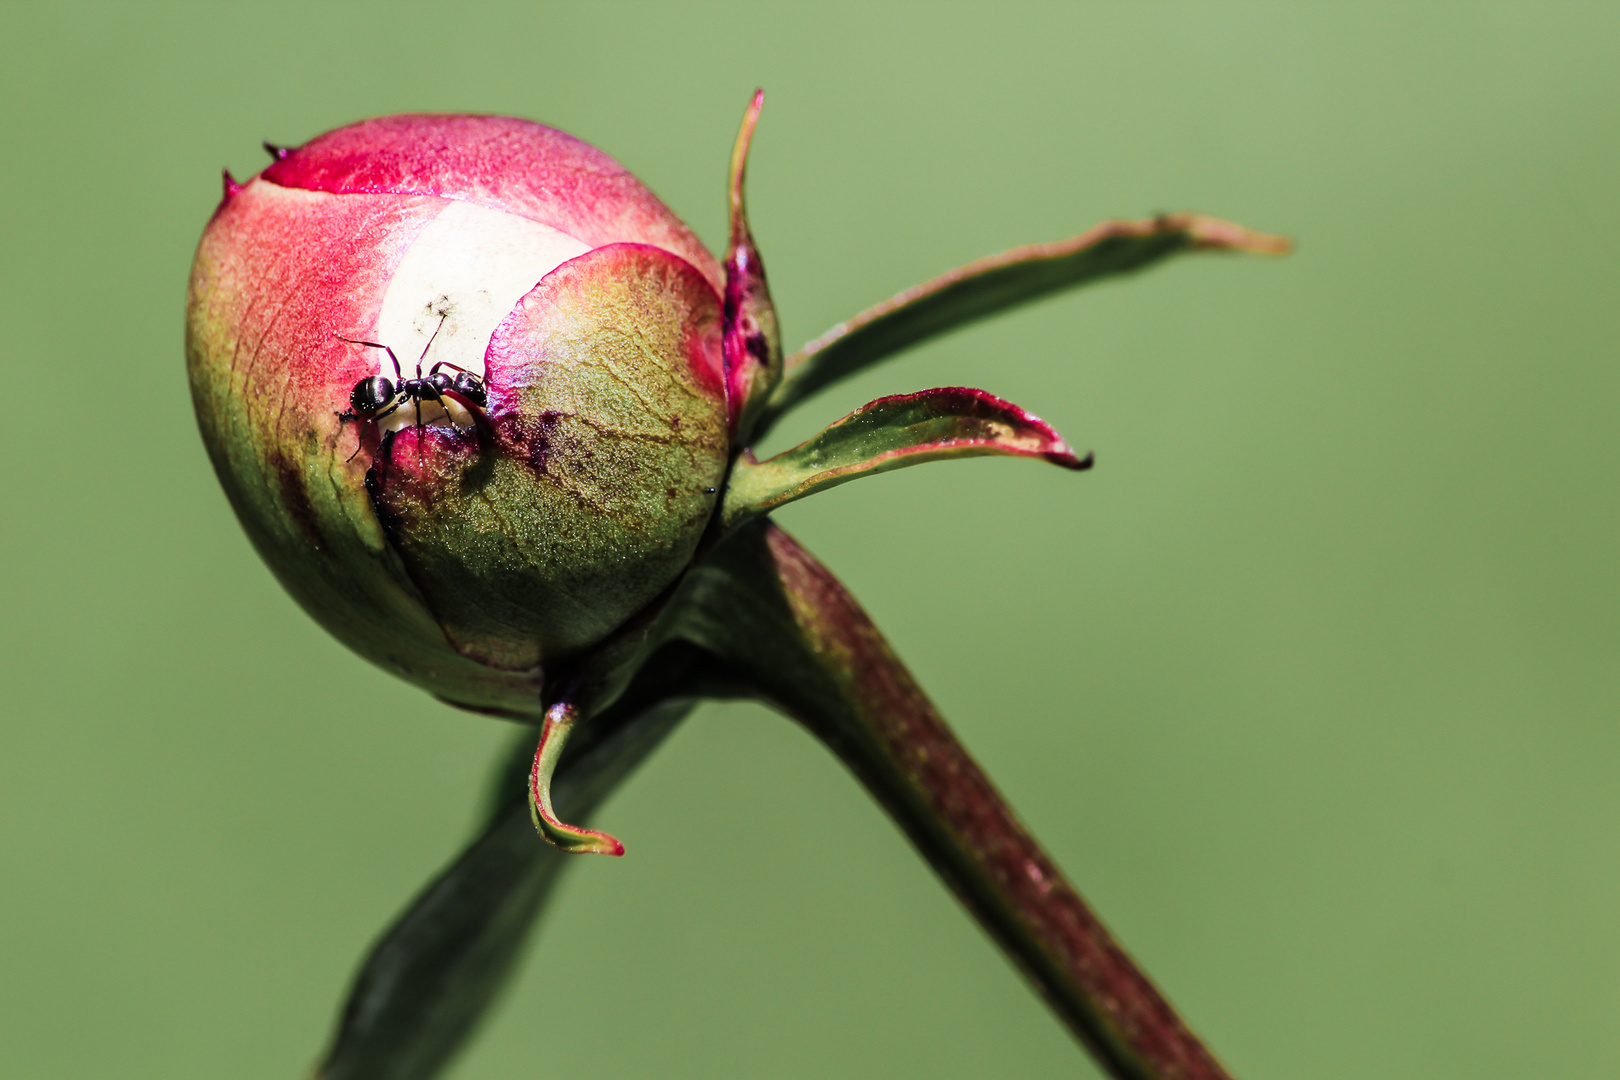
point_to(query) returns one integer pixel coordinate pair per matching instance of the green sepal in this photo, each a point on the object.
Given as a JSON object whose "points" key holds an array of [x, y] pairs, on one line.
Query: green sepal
{"points": [[891, 433], [573, 839], [752, 343]]}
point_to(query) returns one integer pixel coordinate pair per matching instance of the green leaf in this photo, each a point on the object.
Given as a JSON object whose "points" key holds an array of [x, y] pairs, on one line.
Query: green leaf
{"points": [[995, 284], [891, 433], [433, 974]]}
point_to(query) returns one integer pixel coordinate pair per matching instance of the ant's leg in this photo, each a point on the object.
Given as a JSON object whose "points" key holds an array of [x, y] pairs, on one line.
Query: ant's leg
{"points": [[359, 442], [359, 445], [439, 399], [374, 417], [398, 401], [375, 478], [434, 370], [480, 419], [387, 447], [419, 424]]}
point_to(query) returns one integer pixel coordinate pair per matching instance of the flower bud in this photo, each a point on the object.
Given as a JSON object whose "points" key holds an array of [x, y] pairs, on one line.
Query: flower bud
{"points": [[461, 378]]}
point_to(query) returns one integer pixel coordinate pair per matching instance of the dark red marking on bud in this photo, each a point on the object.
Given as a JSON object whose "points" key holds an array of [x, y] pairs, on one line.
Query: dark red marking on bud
{"points": [[276, 152], [538, 439], [296, 500], [231, 186]]}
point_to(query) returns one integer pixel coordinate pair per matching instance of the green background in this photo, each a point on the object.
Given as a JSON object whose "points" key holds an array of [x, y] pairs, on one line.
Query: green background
{"points": [[1310, 686]]}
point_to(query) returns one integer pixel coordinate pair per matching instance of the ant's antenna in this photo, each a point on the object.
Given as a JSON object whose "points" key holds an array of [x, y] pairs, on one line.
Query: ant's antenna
{"points": [[375, 345], [443, 315]]}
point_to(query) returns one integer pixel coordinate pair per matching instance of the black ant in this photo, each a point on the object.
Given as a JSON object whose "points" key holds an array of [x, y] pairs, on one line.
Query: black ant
{"points": [[375, 397]]}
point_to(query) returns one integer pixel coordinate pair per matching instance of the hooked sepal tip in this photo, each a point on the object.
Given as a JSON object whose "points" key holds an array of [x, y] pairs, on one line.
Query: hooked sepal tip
{"points": [[554, 732]]}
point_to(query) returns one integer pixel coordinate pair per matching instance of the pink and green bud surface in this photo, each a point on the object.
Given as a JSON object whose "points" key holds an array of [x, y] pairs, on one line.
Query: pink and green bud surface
{"points": [[462, 555]]}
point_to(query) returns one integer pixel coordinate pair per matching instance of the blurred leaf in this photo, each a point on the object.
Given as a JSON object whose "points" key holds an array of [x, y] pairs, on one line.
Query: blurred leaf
{"points": [[996, 284], [433, 974]]}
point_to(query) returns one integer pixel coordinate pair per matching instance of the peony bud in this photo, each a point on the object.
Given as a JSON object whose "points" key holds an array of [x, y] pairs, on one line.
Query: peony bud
{"points": [[481, 402], [461, 377]]}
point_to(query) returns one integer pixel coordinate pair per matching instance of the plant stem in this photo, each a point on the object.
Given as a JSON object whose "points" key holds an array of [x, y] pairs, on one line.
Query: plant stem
{"points": [[790, 632]]}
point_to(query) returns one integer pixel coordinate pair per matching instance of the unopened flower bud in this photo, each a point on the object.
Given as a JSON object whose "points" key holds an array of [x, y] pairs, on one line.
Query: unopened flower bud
{"points": [[461, 379]]}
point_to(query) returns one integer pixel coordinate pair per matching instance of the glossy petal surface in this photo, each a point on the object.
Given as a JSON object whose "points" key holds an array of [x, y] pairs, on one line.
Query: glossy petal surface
{"points": [[501, 162]]}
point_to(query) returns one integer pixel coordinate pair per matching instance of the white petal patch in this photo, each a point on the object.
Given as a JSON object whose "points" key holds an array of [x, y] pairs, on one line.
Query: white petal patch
{"points": [[461, 277]]}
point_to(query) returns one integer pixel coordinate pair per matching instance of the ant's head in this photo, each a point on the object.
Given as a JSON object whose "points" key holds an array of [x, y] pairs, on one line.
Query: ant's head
{"points": [[469, 386]]}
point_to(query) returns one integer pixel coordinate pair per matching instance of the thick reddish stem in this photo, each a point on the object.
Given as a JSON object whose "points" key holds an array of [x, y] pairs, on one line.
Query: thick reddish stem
{"points": [[802, 641]]}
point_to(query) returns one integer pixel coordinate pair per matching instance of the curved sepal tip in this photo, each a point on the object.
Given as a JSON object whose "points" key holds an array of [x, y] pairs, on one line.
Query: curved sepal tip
{"points": [[559, 723]]}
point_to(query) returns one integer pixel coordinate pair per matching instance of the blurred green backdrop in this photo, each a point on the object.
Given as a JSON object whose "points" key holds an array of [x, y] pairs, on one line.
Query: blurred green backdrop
{"points": [[1311, 685]]}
